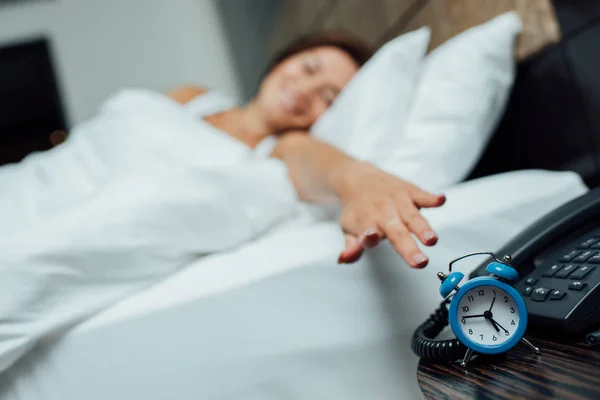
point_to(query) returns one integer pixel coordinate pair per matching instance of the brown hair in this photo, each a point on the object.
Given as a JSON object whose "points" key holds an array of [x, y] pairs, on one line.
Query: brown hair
{"points": [[353, 46]]}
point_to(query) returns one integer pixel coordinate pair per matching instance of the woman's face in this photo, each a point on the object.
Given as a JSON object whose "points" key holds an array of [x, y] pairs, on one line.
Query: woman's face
{"points": [[299, 89]]}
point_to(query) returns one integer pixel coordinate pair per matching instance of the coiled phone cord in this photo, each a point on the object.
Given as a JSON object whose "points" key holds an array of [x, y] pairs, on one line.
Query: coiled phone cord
{"points": [[424, 345]]}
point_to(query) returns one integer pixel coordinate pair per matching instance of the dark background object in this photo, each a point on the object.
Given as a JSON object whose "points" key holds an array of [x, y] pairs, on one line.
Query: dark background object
{"points": [[11, 2], [553, 116], [30, 103]]}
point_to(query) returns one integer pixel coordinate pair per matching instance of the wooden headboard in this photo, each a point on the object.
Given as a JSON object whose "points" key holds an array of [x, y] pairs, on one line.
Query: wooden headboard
{"points": [[377, 21]]}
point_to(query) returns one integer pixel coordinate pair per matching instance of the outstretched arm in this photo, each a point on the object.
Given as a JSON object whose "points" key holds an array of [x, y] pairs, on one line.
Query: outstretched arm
{"points": [[374, 203]]}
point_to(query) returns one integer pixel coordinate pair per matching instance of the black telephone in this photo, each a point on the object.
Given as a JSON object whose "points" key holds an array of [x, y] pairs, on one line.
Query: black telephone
{"points": [[558, 260]]}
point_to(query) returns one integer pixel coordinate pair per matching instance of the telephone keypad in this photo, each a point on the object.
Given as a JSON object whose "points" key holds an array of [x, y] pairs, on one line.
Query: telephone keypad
{"points": [[563, 287]]}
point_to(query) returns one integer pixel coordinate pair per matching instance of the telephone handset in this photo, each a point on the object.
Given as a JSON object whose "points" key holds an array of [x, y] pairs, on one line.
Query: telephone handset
{"points": [[558, 260]]}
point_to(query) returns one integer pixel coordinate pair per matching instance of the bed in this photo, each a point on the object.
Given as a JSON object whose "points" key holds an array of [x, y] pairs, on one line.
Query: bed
{"points": [[276, 318], [272, 320]]}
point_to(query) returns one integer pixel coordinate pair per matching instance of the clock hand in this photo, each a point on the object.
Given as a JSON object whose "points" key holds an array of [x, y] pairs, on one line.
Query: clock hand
{"points": [[473, 316], [491, 319], [494, 324], [492, 304]]}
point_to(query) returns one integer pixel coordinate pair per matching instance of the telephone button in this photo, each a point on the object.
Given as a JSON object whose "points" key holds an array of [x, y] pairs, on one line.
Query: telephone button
{"points": [[528, 290], [577, 285], [540, 294], [531, 281], [552, 270], [584, 256], [566, 271], [582, 271], [596, 245], [570, 255], [587, 243], [595, 259], [557, 295]]}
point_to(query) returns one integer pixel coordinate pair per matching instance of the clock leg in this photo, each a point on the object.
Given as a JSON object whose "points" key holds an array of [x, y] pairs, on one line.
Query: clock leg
{"points": [[531, 346], [466, 358]]}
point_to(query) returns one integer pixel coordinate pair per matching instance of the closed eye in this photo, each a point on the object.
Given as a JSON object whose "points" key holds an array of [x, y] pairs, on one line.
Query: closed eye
{"points": [[328, 95]]}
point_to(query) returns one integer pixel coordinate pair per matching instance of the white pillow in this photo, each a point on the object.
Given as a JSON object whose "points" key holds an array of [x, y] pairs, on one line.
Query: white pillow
{"points": [[460, 97], [376, 99]]}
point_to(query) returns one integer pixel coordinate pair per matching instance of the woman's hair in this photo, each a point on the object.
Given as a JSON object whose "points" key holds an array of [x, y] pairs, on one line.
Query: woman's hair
{"points": [[354, 47]]}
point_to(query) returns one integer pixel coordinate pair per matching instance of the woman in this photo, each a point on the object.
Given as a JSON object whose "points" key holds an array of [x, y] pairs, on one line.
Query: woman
{"points": [[302, 82], [136, 130], [117, 222]]}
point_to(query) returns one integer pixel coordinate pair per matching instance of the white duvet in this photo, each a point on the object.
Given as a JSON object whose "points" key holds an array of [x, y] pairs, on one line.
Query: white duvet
{"points": [[136, 132], [140, 197]]}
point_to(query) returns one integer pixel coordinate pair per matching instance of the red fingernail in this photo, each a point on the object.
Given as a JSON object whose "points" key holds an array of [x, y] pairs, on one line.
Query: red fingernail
{"points": [[430, 237], [369, 232], [420, 260], [370, 238], [349, 258]]}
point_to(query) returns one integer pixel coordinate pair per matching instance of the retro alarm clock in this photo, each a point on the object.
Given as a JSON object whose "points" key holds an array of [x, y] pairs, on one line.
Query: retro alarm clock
{"points": [[486, 314]]}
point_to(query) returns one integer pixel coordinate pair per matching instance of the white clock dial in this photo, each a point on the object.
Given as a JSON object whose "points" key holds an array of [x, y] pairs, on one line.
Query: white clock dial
{"points": [[488, 316]]}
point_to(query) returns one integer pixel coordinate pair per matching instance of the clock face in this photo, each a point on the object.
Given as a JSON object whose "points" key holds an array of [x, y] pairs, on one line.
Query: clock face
{"points": [[488, 316]]}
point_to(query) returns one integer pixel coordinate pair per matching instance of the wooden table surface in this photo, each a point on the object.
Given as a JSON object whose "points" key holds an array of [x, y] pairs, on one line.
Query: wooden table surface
{"points": [[564, 370]]}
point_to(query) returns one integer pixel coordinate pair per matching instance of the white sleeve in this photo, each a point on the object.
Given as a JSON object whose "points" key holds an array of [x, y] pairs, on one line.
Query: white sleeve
{"points": [[137, 230]]}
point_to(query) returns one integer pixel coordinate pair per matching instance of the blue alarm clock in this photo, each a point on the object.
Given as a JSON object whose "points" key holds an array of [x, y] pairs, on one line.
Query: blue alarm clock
{"points": [[486, 314]]}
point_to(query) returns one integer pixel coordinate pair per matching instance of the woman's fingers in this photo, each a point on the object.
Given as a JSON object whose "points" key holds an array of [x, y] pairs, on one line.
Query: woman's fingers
{"points": [[402, 241], [422, 199], [394, 216], [416, 224], [360, 234], [370, 236], [352, 251]]}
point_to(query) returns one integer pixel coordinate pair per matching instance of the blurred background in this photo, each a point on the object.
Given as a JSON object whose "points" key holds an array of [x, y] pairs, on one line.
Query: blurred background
{"points": [[60, 59]]}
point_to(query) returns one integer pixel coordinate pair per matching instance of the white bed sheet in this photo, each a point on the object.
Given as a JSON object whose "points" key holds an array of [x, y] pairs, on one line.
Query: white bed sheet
{"points": [[277, 318]]}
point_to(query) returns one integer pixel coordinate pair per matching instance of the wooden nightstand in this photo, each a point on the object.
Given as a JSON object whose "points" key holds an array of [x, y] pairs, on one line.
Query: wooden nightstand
{"points": [[561, 371]]}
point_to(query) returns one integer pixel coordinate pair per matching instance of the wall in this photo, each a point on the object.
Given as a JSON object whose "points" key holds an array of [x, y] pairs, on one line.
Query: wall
{"points": [[101, 46], [248, 25]]}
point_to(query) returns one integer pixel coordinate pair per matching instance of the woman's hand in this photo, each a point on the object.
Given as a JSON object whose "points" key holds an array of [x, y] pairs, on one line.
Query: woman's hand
{"points": [[377, 205]]}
